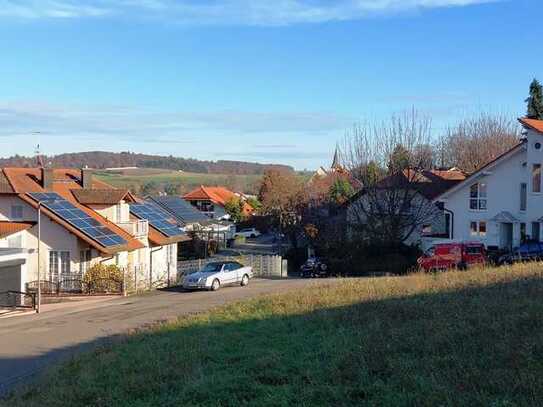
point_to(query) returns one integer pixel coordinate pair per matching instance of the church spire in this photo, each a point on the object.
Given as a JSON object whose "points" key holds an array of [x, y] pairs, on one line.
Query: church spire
{"points": [[335, 160]]}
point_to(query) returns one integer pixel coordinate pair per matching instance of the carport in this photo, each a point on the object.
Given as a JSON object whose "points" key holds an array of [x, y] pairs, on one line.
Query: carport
{"points": [[12, 272]]}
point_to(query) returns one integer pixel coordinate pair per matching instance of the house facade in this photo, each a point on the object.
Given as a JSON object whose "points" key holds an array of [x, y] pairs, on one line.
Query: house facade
{"points": [[501, 204], [82, 222], [212, 200], [418, 188]]}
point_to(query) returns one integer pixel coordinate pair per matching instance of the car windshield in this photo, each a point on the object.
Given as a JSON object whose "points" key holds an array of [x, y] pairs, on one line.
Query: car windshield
{"points": [[212, 268]]}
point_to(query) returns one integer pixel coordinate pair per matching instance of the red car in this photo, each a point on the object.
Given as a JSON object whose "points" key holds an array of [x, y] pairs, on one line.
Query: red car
{"points": [[445, 256]]}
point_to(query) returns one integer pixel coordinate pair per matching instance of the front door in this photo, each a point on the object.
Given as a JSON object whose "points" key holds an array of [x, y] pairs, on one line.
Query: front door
{"points": [[506, 235]]}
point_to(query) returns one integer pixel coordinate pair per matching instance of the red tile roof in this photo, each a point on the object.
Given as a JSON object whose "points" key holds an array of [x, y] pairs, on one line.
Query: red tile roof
{"points": [[217, 195], [5, 187], [25, 180], [9, 228], [536, 125], [429, 183]]}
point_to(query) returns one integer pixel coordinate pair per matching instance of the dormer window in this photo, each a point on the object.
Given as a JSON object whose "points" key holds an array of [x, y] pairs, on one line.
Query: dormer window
{"points": [[477, 196]]}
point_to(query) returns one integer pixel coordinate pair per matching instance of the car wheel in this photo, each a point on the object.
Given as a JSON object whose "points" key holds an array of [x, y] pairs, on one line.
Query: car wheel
{"points": [[253, 236], [245, 280], [215, 285]]}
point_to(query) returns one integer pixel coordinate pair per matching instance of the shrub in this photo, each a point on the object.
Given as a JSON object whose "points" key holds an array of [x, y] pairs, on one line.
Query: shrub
{"points": [[103, 279]]}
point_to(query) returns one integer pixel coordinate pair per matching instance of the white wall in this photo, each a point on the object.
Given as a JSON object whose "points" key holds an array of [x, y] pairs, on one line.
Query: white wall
{"points": [[163, 263]]}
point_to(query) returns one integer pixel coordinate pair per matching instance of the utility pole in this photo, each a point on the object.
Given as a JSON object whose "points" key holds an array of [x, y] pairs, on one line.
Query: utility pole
{"points": [[38, 307]]}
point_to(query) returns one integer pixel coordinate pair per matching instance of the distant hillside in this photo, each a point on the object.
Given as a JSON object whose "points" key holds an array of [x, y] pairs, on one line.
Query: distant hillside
{"points": [[103, 159]]}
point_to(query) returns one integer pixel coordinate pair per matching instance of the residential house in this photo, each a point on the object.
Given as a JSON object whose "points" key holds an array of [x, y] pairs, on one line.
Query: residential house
{"points": [[415, 188], [501, 204], [212, 200], [192, 220], [83, 222]]}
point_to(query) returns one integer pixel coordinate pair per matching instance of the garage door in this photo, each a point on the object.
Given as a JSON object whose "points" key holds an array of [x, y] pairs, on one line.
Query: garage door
{"points": [[10, 278]]}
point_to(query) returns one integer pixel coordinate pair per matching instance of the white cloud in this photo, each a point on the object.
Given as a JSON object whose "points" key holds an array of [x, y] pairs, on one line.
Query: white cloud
{"points": [[296, 138], [219, 12]]}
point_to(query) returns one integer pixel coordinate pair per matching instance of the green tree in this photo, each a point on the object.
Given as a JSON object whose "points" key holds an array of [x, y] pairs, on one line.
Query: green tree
{"points": [[399, 159], [340, 191], [171, 189], [255, 203], [150, 188], [234, 207], [535, 101]]}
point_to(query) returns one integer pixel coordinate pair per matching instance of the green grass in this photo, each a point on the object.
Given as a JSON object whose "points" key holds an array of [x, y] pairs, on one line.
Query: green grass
{"points": [[187, 180], [455, 338]]}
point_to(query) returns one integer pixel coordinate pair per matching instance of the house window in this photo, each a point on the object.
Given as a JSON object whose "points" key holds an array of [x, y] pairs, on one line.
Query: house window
{"points": [[523, 232], [478, 228], [16, 212], [85, 257], [536, 178], [59, 263], [535, 231], [477, 196], [482, 228], [427, 230], [523, 189]]}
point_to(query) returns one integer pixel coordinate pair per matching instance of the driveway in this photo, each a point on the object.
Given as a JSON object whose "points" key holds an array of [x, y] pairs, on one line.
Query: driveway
{"points": [[264, 244], [30, 343]]}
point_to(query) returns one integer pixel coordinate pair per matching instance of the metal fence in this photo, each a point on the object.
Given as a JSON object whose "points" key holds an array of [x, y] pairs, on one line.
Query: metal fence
{"points": [[17, 299], [73, 284], [264, 266]]}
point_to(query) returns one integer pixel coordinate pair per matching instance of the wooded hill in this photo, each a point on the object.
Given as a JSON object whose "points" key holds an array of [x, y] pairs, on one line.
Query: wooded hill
{"points": [[103, 159]]}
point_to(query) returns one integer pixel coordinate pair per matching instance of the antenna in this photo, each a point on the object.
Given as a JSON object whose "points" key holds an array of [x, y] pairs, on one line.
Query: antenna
{"points": [[39, 160]]}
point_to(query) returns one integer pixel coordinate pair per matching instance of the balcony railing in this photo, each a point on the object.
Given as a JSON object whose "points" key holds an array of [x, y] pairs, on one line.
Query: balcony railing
{"points": [[137, 228]]}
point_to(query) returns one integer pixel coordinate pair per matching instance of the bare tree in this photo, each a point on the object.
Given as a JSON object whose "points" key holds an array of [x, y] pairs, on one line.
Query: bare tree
{"points": [[391, 208], [474, 142]]}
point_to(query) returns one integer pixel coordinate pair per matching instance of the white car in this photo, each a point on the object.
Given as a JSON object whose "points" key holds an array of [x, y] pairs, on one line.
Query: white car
{"points": [[218, 274], [249, 232]]}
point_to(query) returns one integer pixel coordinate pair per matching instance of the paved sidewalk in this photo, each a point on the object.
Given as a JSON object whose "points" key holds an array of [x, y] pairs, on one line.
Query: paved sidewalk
{"points": [[30, 343]]}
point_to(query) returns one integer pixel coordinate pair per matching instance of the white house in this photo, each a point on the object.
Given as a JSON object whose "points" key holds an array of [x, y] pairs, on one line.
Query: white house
{"points": [[418, 188], [83, 222], [501, 204]]}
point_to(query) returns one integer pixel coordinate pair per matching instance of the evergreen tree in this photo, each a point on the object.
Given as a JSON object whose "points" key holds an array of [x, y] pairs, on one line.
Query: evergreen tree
{"points": [[340, 191], [535, 101], [399, 159], [234, 207]]}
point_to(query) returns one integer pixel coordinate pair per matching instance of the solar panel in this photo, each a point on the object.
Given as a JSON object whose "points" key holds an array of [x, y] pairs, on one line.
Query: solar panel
{"points": [[157, 218], [181, 209], [78, 218]]}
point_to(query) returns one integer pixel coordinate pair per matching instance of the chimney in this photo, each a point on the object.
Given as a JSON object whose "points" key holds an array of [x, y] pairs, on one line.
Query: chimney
{"points": [[86, 178], [47, 178]]}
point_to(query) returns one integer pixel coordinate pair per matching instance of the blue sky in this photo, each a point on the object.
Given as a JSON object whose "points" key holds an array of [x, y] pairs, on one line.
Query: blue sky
{"points": [[267, 81]]}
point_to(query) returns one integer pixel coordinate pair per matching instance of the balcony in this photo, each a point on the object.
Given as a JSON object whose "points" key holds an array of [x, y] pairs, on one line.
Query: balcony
{"points": [[137, 228]]}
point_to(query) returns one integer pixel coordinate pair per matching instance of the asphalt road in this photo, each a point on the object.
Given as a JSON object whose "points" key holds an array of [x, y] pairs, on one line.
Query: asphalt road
{"points": [[30, 343]]}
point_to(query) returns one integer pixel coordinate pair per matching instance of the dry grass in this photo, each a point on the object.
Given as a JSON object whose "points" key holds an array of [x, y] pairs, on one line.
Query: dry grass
{"points": [[456, 338]]}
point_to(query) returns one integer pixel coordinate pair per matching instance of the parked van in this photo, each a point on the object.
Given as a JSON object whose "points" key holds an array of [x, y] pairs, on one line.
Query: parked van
{"points": [[445, 256]]}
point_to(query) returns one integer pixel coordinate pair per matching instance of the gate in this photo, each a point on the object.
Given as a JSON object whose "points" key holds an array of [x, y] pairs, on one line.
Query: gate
{"points": [[17, 299]]}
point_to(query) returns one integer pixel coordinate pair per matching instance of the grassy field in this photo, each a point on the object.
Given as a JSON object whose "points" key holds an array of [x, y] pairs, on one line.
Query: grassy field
{"points": [[455, 338], [187, 181]]}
